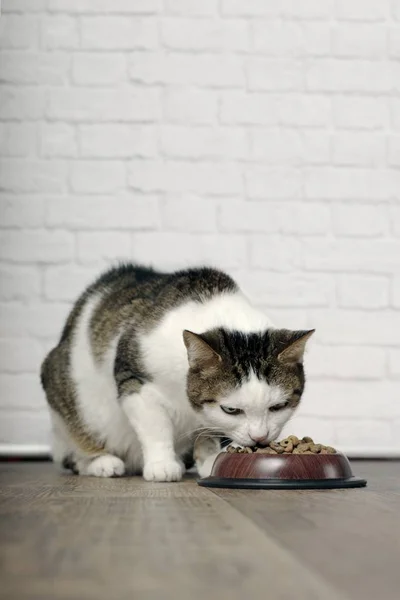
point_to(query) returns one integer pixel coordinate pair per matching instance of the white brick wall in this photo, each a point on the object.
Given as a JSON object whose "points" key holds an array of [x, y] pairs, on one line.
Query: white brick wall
{"points": [[260, 136]]}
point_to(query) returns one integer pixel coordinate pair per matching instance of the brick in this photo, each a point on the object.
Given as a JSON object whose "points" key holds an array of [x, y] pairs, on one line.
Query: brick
{"points": [[308, 9], [394, 217], [218, 71], [245, 108], [351, 255], [394, 42], [132, 212], [395, 295], [118, 141], [274, 75], [363, 291], [203, 142], [105, 6], [350, 183], [59, 33], [394, 151], [278, 290], [171, 250], [34, 68], [40, 320], [20, 355], [36, 246], [307, 219], [289, 39], [205, 35], [17, 31], [275, 217], [333, 398], [276, 147], [176, 176], [21, 211], [94, 247], [359, 40], [250, 216], [104, 105], [19, 283], [191, 7], [98, 69], [189, 213], [346, 362], [273, 182], [251, 8], [274, 252], [21, 175], [359, 149], [360, 220], [118, 33], [362, 10], [67, 282], [22, 104], [45, 320], [316, 148], [97, 177], [24, 6], [18, 139], [394, 104], [14, 391], [304, 111], [327, 75], [360, 112], [25, 427], [357, 328], [292, 318], [57, 139], [190, 106], [394, 363], [364, 430]]}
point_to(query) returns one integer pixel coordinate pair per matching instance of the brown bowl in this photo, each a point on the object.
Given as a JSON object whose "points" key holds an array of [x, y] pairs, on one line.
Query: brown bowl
{"points": [[282, 471]]}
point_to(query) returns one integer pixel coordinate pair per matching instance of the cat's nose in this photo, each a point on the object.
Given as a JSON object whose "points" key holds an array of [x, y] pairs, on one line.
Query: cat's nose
{"points": [[260, 441]]}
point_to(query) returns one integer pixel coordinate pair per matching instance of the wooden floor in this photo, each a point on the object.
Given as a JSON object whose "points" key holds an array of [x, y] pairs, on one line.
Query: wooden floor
{"points": [[76, 538]]}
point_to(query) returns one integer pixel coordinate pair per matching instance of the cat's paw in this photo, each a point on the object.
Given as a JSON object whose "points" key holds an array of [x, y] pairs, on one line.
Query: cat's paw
{"points": [[104, 466], [163, 470]]}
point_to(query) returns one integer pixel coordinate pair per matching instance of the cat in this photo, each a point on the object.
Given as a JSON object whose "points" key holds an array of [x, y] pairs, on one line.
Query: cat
{"points": [[150, 362]]}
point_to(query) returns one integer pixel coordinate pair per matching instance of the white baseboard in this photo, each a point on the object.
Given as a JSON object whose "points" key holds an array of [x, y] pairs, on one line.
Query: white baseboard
{"points": [[41, 450]]}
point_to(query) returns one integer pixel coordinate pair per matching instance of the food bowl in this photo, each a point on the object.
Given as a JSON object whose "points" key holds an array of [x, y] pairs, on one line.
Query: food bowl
{"points": [[282, 471]]}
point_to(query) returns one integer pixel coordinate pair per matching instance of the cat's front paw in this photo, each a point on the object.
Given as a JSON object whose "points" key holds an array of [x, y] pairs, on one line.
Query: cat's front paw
{"points": [[106, 465], [163, 470]]}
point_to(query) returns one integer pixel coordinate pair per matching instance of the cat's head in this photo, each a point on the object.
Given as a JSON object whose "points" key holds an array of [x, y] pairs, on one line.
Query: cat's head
{"points": [[246, 385]]}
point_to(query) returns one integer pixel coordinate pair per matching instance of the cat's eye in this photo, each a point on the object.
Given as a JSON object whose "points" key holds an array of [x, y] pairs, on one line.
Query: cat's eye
{"points": [[278, 407], [231, 411]]}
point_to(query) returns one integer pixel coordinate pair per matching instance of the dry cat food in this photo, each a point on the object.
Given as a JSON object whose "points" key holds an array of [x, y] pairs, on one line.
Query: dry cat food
{"points": [[289, 445]]}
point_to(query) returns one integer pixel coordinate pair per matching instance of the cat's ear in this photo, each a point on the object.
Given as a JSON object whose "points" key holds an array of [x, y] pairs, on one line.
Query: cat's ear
{"points": [[295, 346], [200, 354]]}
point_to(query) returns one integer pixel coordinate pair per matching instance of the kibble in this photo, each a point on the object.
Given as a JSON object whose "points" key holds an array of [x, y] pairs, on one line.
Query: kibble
{"points": [[290, 445]]}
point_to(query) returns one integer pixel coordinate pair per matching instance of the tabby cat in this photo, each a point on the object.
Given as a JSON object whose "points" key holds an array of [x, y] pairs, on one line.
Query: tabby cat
{"points": [[149, 362]]}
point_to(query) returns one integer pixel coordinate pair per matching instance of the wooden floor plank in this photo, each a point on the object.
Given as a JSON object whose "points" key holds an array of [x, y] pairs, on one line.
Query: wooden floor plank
{"points": [[67, 538], [351, 537]]}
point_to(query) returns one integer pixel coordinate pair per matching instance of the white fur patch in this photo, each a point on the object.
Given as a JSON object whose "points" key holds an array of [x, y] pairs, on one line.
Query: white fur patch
{"points": [[256, 422], [97, 396]]}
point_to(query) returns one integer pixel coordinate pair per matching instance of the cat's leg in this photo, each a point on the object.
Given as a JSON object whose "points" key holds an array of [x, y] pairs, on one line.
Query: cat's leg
{"points": [[205, 452], [148, 414], [77, 451]]}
